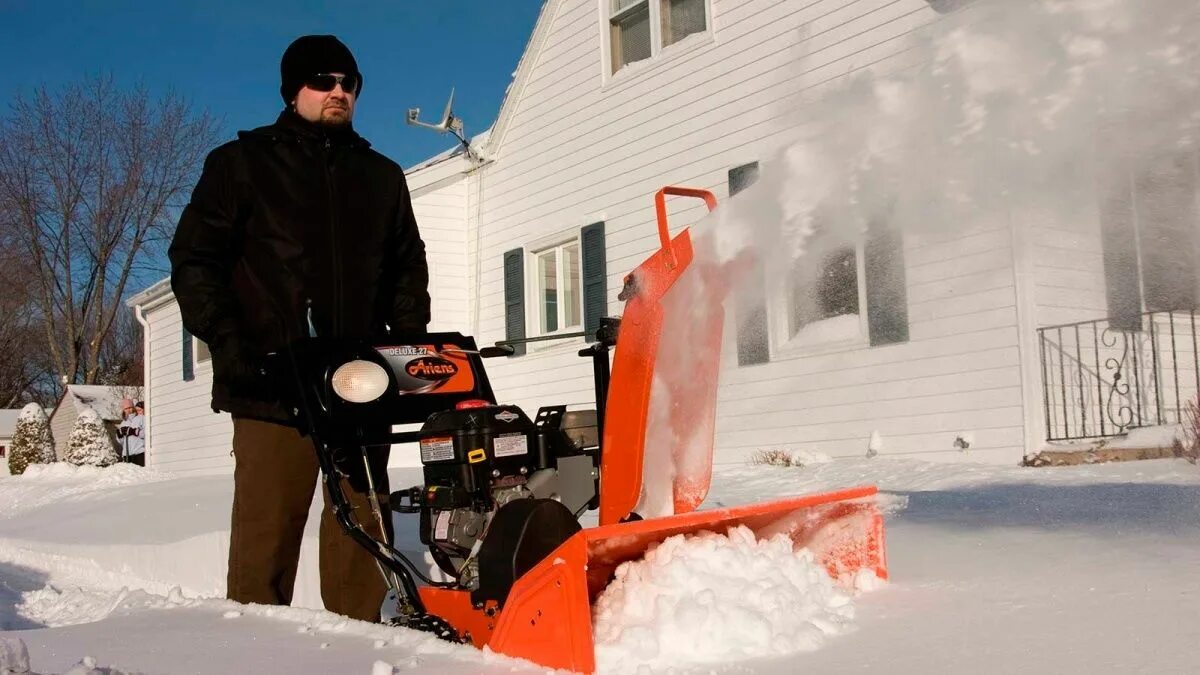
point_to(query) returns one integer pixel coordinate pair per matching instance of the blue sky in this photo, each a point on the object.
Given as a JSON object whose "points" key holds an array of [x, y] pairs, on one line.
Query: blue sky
{"points": [[227, 60]]}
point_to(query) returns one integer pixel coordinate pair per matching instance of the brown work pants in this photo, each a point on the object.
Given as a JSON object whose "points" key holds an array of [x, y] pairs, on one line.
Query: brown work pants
{"points": [[274, 477]]}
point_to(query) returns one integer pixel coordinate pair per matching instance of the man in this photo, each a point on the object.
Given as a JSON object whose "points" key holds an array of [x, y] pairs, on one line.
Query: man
{"points": [[130, 431], [295, 222]]}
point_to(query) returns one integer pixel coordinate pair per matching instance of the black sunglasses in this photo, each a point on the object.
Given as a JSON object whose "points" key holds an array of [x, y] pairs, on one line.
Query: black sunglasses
{"points": [[325, 82]]}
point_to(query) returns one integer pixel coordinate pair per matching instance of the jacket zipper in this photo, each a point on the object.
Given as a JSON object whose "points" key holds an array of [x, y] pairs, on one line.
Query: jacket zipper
{"points": [[333, 241]]}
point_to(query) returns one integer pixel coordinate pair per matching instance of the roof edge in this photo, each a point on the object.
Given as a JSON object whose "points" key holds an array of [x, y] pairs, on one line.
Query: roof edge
{"points": [[537, 38], [157, 291]]}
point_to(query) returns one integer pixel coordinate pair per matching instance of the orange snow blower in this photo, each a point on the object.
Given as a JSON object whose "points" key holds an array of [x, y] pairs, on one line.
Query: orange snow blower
{"points": [[502, 496]]}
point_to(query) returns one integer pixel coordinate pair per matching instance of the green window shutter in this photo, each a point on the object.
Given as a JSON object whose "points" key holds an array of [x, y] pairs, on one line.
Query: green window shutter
{"points": [[887, 296], [595, 277], [514, 297], [742, 177], [751, 313], [188, 370]]}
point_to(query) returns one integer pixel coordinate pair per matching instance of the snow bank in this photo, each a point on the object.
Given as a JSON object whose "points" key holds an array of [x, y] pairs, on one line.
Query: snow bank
{"points": [[802, 458], [711, 598], [45, 484]]}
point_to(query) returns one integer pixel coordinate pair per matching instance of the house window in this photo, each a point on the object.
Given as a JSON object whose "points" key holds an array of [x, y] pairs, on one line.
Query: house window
{"points": [[832, 293], [559, 285], [200, 349], [1150, 238], [557, 288], [639, 29], [821, 304]]}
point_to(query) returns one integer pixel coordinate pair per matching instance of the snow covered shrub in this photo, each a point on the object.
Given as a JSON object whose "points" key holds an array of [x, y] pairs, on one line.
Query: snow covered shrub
{"points": [[1189, 446], [774, 457], [32, 442], [89, 443]]}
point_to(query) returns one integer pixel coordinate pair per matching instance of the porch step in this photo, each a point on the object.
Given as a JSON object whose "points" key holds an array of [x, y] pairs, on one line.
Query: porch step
{"points": [[1101, 455], [1164, 441]]}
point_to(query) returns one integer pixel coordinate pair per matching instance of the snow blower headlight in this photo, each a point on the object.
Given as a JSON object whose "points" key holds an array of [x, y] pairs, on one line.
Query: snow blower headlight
{"points": [[360, 381]]}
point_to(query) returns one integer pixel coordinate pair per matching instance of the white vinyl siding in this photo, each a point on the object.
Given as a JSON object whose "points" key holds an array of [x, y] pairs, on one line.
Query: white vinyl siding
{"points": [[441, 211], [186, 435], [62, 421]]}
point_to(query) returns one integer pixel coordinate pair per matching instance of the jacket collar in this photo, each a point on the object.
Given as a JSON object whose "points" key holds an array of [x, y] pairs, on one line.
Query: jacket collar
{"points": [[290, 126]]}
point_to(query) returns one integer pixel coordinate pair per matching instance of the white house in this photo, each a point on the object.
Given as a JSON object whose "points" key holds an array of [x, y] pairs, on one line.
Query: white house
{"points": [[8, 426], [105, 400], [943, 345]]}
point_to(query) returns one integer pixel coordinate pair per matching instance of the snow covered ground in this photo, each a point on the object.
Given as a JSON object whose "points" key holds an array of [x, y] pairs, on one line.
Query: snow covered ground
{"points": [[994, 569]]}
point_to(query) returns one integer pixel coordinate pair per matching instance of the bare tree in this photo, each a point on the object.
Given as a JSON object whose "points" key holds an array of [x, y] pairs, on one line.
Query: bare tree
{"points": [[94, 176], [121, 354], [25, 374]]}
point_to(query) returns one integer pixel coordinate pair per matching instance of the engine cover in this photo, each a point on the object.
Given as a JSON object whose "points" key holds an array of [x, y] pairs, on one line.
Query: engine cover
{"points": [[471, 449]]}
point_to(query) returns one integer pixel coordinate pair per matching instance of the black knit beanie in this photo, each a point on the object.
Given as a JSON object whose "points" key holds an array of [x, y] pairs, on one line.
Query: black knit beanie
{"points": [[312, 54]]}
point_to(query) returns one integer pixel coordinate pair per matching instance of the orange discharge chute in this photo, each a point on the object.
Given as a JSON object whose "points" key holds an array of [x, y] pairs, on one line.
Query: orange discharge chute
{"points": [[547, 616]]}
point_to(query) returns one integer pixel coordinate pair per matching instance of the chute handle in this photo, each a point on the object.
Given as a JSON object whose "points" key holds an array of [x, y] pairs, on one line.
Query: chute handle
{"points": [[660, 210]]}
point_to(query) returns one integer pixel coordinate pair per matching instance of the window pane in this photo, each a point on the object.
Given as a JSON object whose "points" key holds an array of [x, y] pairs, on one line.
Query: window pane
{"points": [[547, 275], [618, 5], [1165, 203], [833, 292], [631, 37], [837, 289], [800, 298], [571, 296], [202, 353], [681, 18]]}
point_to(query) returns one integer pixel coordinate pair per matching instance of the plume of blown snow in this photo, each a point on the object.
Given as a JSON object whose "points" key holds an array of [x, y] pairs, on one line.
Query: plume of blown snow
{"points": [[1005, 114]]}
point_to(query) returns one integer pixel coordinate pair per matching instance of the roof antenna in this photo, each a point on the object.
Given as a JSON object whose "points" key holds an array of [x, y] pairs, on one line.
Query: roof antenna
{"points": [[448, 123]]}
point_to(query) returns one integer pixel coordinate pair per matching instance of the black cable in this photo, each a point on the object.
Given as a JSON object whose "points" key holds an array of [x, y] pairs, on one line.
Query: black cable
{"points": [[465, 143], [341, 506]]}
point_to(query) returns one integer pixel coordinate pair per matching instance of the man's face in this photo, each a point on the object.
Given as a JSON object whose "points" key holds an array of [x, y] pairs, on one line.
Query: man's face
{"points": [[334, 107], [128, 411]]}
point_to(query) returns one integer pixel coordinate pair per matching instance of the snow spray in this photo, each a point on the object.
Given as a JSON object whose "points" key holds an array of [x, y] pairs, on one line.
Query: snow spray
{"points": [[1001, 114]]}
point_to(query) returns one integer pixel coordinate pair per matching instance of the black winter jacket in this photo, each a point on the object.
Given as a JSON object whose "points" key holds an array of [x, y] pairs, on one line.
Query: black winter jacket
{"points": [[286, 217]]}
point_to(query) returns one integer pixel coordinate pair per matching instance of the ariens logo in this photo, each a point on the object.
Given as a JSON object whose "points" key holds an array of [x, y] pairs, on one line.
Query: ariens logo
{"points": [[431, 368]]}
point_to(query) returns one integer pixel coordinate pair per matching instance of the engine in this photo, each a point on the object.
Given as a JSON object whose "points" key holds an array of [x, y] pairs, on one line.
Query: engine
{"points": [[501, 488]]}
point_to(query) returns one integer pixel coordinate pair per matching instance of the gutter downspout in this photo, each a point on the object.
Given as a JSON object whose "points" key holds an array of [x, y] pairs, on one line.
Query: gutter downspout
{"points": [[141, 318]]}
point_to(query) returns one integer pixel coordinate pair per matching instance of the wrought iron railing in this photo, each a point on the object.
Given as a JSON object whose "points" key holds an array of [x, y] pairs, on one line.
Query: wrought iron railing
{"points": [[1099, 380]]}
